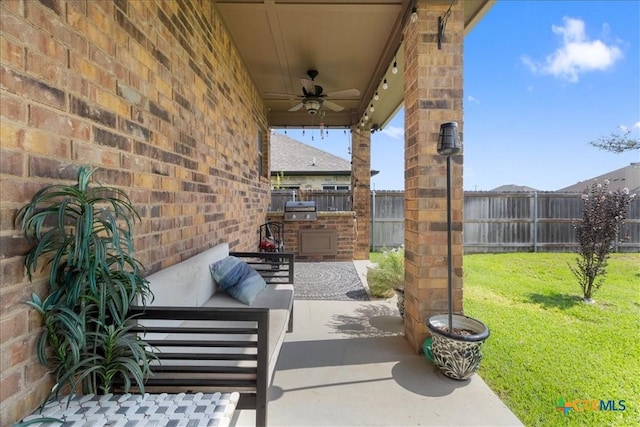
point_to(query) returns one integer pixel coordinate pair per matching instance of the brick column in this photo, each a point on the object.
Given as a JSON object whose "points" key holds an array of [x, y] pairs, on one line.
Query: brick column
{"points": [[361, 190], [433, 95]]}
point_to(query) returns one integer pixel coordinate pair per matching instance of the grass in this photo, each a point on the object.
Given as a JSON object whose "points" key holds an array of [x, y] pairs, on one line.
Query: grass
{"points": [[546, 344]]}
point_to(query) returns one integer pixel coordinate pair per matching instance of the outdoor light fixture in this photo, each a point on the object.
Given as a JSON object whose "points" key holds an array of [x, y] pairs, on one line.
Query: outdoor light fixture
{"points": [[448, 140], [442, 24], [448, 145], [385, 85], [414, 14]]}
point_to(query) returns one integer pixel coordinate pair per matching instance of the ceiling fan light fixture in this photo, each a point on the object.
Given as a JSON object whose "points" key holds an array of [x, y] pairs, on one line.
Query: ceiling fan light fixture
{"points": [[312, 106]]}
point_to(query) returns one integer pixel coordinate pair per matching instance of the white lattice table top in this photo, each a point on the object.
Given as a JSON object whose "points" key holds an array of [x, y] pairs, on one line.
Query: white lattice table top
{"points": [[135, 410]]}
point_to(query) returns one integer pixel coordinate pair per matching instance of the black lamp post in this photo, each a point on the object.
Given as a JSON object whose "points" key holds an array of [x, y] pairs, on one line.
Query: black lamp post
{"points": [[449, 145]]}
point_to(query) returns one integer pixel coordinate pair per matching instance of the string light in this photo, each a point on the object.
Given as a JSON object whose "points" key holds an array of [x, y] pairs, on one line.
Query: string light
{"points": [[394, 70], [414, 14], [371, 108], [376, 96], [385, 85]]}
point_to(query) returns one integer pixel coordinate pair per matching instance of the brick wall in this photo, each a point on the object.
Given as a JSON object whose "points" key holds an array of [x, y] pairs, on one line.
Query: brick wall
{"points": [[343, 223], [361, 188], [155, 96], [432, 96]]}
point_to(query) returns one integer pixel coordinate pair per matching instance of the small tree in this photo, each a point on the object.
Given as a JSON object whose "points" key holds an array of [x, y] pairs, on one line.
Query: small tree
{"points": [[617, 143], [604, 212]]}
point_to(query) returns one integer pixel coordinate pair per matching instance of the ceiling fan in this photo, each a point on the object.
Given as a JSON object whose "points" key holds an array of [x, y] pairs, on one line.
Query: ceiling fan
{"points": [[313, 98]]}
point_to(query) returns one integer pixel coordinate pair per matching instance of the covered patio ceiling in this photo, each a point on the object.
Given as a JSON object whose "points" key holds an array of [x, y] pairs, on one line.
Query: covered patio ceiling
{"points": [[352, 44]]}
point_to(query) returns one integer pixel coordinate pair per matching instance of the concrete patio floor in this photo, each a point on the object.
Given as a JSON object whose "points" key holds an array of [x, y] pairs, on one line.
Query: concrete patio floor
{"points": [[348, 364]]}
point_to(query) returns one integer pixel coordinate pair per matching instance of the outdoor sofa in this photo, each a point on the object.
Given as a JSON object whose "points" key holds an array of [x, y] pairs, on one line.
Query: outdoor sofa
{"points": [[208, 341]]}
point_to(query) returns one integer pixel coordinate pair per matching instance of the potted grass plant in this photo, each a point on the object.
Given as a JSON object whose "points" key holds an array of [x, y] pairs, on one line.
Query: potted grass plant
{"points": [[83, 234], [454, 345]]}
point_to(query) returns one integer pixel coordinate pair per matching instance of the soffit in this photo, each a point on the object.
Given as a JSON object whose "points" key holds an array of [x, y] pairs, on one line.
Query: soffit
{"points": [[351, 43]]}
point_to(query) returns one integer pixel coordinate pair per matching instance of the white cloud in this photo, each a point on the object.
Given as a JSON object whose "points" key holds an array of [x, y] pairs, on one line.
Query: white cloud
{"points": [[473, 99], [637, 125], [394, 132], [577, 54], [623, 128]]}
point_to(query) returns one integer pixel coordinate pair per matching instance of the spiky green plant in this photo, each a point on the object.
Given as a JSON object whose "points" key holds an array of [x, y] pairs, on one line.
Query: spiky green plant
{"points": [[83, 234]]}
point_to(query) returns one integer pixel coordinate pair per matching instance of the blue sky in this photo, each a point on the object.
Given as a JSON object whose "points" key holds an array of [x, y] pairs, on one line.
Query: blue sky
{"points": [[541, 80]]}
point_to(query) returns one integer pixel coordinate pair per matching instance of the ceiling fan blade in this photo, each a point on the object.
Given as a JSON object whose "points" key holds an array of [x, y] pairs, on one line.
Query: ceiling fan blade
{"points": [[296, 107], [288, 95], [332, 106], [347, 93]]}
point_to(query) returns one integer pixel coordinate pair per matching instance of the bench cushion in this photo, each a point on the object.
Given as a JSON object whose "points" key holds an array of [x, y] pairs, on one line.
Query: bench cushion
{"points": [[187, 283], [279, 299]]}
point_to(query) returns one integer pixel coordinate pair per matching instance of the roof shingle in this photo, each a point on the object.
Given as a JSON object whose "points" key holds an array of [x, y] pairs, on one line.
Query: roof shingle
{"points": [[289, 155]]}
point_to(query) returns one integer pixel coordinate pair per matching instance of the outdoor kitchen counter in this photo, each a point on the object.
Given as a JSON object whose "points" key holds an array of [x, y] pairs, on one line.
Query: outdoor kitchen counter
{"points": [[330, 237]]}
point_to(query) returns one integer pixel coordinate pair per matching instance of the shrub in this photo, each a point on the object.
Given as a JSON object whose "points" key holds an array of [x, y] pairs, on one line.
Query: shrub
{"points": [[388, 275], [604, 212]]}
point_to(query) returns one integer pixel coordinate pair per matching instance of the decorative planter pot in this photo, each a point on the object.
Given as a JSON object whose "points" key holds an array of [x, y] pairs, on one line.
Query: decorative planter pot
{"points": [[457, 355], [400, 294]]}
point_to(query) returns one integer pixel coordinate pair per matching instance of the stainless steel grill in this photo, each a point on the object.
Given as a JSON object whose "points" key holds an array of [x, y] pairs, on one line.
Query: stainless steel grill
{"points": [[300, 211]]}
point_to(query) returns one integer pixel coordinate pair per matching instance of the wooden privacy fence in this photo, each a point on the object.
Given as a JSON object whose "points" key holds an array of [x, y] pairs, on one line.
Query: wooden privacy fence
{"points": [[493, 221], [504, 222]]}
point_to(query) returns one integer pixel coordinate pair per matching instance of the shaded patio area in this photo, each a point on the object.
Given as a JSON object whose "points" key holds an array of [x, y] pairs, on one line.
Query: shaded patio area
{"points": [[347, 363]]}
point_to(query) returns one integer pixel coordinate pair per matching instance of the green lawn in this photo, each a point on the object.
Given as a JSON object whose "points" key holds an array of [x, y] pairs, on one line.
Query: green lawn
{"points": [[547, 345]]}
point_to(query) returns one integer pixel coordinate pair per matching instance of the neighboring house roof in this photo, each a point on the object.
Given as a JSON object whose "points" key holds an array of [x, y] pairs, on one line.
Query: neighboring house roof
{"points": [[511, 188], [626, 177], [297, 158]]}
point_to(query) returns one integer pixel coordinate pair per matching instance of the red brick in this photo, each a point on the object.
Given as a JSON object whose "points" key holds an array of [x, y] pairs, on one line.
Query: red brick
{"points": [[10, 80], [11, 53], [14, 325], [12, 271], [43, 92], [18, 192], [61, 125], [11, 163], [42, 142], [15, 296], [7, 213], [12, 108], [42, 67], [13, 354], [10, 384]]}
